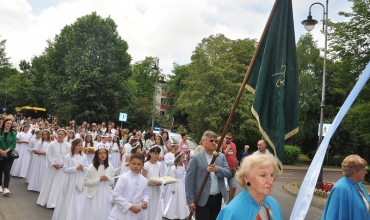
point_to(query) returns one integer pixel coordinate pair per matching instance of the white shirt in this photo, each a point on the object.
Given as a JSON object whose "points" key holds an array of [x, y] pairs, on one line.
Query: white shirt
{"points": [[259, 152], [214, 183], [131, 189]]}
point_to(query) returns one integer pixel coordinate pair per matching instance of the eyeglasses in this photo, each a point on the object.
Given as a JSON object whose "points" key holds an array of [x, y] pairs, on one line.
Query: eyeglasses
{"points": [[212, 141]]}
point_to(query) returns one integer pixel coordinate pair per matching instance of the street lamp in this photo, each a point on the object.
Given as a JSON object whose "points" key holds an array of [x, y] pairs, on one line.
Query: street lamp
{"points": [[309, 24], [155, 69]]}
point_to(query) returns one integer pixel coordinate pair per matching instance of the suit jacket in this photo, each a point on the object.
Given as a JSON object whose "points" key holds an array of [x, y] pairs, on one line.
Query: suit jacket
{"points": [[195, 173]]}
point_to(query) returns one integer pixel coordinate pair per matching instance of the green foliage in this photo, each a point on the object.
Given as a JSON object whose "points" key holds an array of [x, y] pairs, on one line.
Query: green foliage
{"points": [[311, 154], [86, 66], [140, 107], [217, 68], [291, 154], [4, 60], [350, 39], [175, 86], [335, 160]]}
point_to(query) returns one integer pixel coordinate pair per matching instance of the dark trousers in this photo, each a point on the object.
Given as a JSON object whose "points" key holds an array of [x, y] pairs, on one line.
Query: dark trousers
{"points": [[5, 166], [211, 209]]}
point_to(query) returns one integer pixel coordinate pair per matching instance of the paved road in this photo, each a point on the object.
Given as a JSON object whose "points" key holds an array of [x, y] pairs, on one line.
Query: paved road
{"points": [[21, 204]]}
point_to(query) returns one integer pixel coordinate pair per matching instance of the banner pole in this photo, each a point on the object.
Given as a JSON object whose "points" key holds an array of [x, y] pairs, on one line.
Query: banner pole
{"points": [[236, 103]]}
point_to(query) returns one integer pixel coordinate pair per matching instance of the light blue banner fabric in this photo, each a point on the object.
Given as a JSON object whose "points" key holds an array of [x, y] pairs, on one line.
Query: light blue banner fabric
{"points": [[305, 194]]}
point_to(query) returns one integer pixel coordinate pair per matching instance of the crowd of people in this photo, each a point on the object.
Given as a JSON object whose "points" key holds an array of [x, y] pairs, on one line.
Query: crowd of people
{"points": [[105, 172]]}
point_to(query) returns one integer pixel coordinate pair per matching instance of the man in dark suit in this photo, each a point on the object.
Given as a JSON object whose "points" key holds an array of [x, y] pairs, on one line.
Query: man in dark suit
{"points": [[209, 204]]}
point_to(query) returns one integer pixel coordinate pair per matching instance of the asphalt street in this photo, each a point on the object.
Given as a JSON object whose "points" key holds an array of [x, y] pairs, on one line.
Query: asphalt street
{"points": [[21, 203]]}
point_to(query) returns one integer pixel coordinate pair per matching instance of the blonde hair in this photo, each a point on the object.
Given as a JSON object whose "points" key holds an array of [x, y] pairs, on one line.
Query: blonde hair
{"points": [[352, 162], [198, 149], [254, 161]]}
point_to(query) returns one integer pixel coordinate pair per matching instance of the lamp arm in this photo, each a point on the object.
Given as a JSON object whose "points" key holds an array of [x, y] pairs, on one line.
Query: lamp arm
{"points": [[325, 12]]}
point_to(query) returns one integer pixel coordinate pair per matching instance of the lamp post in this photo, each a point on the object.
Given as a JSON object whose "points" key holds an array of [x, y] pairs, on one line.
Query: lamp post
{"points": [[155, 69], [309, 24]]}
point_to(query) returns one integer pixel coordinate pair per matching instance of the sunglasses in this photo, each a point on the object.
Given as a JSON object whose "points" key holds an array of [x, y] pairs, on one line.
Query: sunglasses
{"points": [[213, 141], [229, 138]]}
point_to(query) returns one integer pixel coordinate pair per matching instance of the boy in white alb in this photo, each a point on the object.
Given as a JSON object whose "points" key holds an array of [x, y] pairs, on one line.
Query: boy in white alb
{"points": [[131, 194]]}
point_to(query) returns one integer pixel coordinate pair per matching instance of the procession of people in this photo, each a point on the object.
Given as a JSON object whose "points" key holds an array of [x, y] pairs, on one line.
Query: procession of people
{"points": [[98, 172]]}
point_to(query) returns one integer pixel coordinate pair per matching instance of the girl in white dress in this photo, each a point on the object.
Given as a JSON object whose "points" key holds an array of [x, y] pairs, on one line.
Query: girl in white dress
{"points": [[128, 146], [39, 164], [97, 140], [70, 136], [54, 175], [149, 142], [152, 169], [31, 148], [20, 166], [175, 206], [169, 158], [131, 194], [116, 154], [71, 197], [98, 180], [126, 158], [89, 143], [159, 142]]}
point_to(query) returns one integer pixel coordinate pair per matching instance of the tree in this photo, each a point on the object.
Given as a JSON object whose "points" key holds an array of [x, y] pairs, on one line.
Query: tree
{"points": [[87, 64], [350, 39], [218, 66], [143, 79], [310, 65], [4, 60], [175, 86], [350, 43]]}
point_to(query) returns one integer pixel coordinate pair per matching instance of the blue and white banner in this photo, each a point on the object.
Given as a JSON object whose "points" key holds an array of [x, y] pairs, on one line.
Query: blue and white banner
{"points": [[305, 194]]}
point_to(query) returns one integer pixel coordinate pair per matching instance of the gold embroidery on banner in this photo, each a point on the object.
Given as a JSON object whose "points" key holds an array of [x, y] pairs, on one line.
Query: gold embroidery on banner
{"points": [[281, 77]]}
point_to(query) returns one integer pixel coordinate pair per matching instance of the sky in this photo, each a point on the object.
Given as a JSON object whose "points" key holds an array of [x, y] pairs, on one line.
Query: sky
{"points": [[167, 29]]}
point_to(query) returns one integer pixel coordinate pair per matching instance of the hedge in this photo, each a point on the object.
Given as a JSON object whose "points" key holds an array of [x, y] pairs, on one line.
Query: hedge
{"points": [[291, 154]]}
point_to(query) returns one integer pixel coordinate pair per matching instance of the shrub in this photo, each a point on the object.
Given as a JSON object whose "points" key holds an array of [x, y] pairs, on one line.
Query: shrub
{"points": [[335, 160], [311, 154], [291, 154]]}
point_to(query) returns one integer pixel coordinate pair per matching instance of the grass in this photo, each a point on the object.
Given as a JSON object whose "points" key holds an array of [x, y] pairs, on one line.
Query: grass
{"points": [[303, 159]]}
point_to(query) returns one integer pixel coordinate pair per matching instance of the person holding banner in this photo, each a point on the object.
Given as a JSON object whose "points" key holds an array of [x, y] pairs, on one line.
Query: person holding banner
{"points": [[209, 204], [348, 199], [257, 176]]}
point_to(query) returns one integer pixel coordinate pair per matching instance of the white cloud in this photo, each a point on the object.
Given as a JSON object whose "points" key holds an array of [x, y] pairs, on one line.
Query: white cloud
{"points": [[167, 29]]}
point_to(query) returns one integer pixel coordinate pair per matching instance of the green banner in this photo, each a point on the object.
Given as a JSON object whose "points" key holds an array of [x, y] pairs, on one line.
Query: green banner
{"points": [[274, 79]]}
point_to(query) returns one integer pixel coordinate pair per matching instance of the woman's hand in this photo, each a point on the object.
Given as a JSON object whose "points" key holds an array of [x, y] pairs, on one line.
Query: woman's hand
{"points": [[3, 153]]}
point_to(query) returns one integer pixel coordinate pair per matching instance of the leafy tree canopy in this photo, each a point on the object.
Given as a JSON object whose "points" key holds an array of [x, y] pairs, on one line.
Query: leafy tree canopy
{"points": [[218, 66], [86, 66]]}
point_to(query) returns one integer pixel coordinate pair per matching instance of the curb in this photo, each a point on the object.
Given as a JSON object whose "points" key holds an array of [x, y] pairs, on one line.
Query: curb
{"points": [[292, 189]]}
